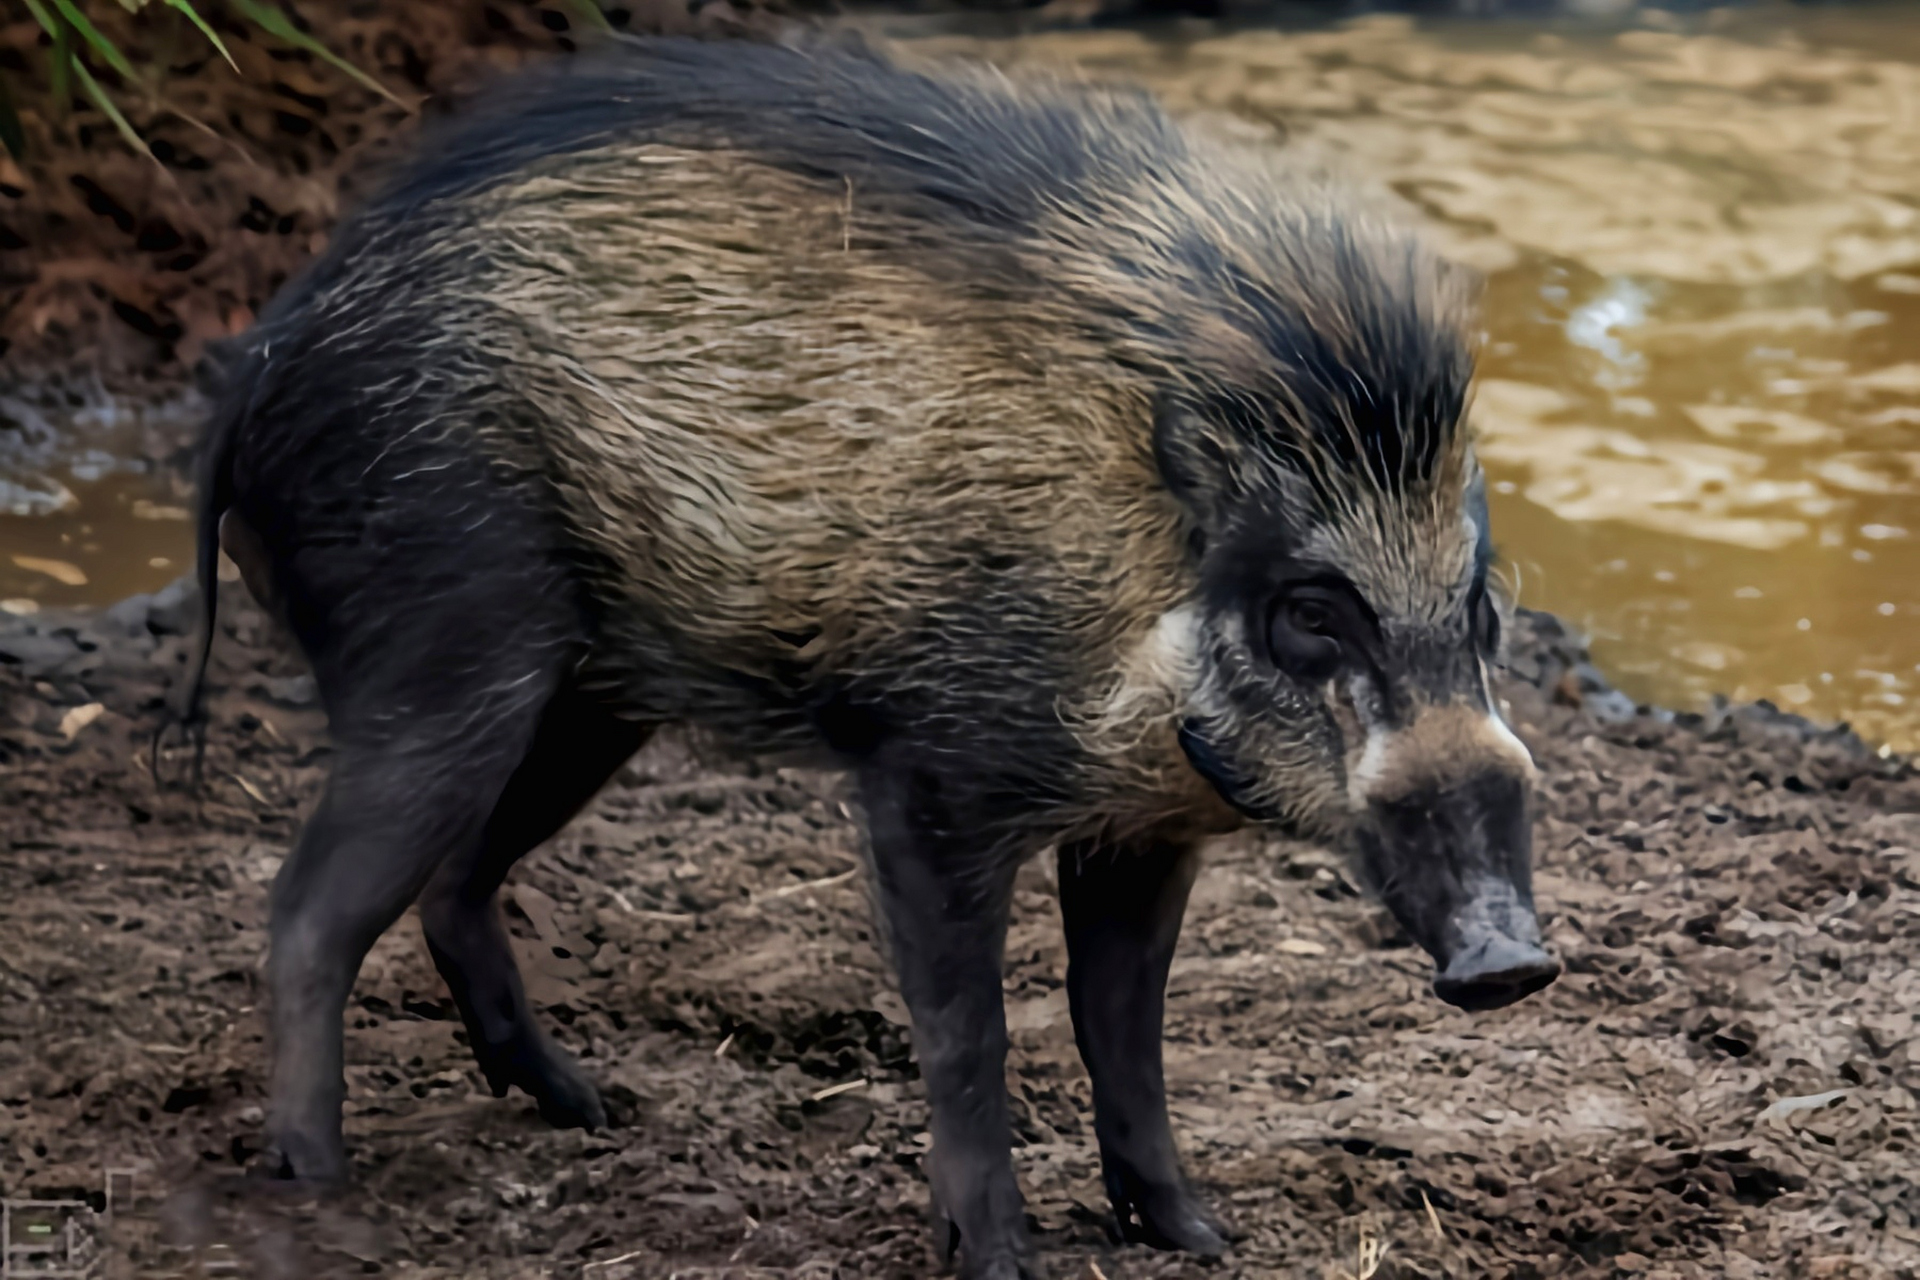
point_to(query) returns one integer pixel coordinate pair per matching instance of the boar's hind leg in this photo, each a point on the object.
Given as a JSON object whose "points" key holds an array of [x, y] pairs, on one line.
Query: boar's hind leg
{"points": [[577, 748], [944, 899], [393, 810], [437, 645], [1122, 909]]}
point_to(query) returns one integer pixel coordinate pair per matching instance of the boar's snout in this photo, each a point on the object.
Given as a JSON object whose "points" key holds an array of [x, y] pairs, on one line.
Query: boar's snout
{"points": [[1453, 862], [1493, 969]]}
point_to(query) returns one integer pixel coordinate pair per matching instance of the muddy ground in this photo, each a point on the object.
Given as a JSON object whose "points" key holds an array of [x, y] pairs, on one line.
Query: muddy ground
{"points": [[1737, 900]]}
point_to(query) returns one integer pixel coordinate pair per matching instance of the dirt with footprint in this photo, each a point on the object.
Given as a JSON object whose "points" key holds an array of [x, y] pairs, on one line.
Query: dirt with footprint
{"points": [[1737, 899]]}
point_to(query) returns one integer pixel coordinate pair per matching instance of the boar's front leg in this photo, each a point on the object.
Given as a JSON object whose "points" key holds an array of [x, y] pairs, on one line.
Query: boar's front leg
{"points": [[1122, 907], [944, 893]]}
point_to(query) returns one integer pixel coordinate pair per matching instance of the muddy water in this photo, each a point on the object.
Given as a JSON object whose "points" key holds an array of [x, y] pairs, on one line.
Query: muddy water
{"points": [[1701, 397], [90, 509]]}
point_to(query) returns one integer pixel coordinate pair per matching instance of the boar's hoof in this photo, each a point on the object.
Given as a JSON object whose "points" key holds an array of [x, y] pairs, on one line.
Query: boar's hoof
{"points": [[571, 1104], [1494, 973], [1169, 1218], [300, 1162], [548, 1074], [1009, 1263]]}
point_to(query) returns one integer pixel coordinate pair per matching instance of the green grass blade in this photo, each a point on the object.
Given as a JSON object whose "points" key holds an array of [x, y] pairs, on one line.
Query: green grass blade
{"points": [[193, 16], [91, 34], [99, 98], [277, 24], [62, 46], [60, 68], [590, 13], [11, 134]]}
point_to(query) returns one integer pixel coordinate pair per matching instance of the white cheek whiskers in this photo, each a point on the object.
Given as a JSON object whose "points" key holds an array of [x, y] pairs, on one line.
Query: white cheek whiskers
{"points": [[1364, 773]]}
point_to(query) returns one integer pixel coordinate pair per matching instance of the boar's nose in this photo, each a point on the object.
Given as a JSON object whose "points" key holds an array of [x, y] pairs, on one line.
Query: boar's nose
{"points": [[1492, 971]]}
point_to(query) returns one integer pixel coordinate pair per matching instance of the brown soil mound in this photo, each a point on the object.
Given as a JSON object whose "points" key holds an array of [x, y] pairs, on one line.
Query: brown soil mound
{"points": [[1737, 899], [126, 266]]}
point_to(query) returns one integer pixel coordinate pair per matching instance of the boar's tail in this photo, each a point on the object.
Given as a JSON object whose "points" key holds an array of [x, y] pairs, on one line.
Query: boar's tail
{"points": [[224, 376]]}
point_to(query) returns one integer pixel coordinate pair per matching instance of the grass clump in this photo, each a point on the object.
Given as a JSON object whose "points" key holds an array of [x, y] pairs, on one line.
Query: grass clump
{"points": [[84, 59]]}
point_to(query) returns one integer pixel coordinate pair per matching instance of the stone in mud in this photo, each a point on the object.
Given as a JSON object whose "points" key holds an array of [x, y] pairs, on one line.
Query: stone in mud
{"points": [[40, 652]]}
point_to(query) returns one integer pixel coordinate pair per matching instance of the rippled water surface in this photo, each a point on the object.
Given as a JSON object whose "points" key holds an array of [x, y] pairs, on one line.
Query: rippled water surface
{"points": [[1701, 396]]}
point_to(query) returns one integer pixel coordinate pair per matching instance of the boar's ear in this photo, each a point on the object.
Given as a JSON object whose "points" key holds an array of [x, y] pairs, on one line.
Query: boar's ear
{"points": [[1201, 461]]}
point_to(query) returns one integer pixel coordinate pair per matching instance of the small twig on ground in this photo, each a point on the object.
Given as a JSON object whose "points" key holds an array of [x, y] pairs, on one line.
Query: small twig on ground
{"points": [[835, 1090], [258, 795], [604, 1263], [626, 904], [1433, 1218], [825, 883]]}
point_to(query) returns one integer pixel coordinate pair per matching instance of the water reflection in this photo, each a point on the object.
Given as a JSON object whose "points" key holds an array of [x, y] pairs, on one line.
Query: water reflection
{"points": [[1595, 325], [89, 511]]}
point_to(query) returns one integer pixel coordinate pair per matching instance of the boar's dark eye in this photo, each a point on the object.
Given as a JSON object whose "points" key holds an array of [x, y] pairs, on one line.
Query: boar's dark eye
{"points": [[1304, 632], [1315, 617]]}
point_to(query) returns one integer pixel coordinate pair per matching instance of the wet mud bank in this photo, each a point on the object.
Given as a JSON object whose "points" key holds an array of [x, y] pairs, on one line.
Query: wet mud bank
{"points": [[1722, 1085]]}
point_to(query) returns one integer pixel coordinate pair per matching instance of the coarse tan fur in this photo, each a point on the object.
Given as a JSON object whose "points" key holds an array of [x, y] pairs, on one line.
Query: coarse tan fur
{"points": [[852, 414]]}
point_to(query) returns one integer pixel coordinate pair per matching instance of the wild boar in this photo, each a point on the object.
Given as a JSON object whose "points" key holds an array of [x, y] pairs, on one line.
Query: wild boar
{"points": [[1076, 482]]}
